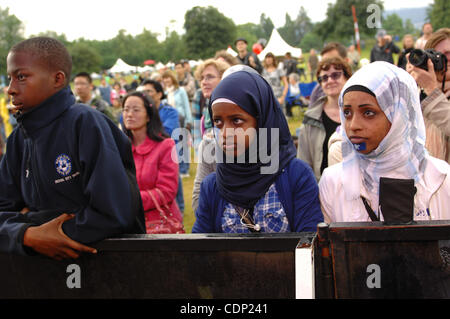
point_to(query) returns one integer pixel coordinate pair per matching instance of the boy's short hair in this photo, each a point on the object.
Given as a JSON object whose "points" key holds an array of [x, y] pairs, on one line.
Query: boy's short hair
{"points": [[49, 51]]}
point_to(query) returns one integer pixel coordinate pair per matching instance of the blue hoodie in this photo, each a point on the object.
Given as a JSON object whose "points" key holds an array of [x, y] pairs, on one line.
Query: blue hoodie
{"points": [[68, 158]]}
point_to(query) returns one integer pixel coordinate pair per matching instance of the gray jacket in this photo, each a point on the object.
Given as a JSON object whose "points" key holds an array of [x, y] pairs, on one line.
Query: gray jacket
{"points": [[312, 136], [206, 165]]}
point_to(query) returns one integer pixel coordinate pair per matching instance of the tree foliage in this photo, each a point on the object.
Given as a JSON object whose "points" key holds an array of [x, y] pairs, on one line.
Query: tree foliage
{"points": [[11, 32], [393, 25], [207, 31], [293, 31], [339, 25], [438, 14]]}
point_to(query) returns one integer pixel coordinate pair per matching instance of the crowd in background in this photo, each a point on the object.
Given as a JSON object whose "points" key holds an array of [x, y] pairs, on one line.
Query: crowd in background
{"points": [[180, 98]]}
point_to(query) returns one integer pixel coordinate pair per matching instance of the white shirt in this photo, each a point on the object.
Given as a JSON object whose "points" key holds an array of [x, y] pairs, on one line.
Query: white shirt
{"points": [[430, 203]]}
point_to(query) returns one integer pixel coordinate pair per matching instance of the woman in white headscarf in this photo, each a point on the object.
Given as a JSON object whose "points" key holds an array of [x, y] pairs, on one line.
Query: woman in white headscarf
{"points": [[383, 136]]}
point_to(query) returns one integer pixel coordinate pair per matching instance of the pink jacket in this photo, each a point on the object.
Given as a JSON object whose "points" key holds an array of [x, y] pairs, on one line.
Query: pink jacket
{"points": [[156, 169]]}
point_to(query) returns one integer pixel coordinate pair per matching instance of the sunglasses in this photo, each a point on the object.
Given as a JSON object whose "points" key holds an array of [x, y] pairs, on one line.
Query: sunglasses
{"points": [[324, 78]]}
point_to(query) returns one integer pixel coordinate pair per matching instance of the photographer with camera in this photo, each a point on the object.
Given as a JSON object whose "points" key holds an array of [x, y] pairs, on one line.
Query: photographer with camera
{"points": [[430, 69]]}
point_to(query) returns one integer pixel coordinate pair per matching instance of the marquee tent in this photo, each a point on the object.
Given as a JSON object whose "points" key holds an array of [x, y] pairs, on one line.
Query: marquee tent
{"points": [[122, 67], [279, 47]]}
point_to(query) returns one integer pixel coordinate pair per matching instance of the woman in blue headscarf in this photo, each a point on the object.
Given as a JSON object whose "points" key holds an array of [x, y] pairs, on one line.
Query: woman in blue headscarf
{"points": [[259, 185]]}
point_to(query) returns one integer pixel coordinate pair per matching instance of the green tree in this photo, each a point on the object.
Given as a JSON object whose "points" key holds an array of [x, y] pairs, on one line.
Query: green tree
{"points": [[393, 25], [84, 58], [207, 31], [174, 48], [267, 27], [11, 32], [293, 31], [147, 47], [249, 31], [339, 25], [52, 34], [409, 27], [438, 14]]}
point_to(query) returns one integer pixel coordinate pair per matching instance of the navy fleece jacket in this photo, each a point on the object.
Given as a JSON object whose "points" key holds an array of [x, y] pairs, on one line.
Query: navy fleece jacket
{"points": [[68, 158]]}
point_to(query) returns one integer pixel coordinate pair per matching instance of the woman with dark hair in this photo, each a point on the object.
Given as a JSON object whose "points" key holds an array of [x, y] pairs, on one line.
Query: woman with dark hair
{"points": [[276, 77], [156, 171]]}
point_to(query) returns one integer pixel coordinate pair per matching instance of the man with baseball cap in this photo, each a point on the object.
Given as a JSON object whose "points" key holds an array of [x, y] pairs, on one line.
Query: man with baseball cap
{"points": [[245, 57]]}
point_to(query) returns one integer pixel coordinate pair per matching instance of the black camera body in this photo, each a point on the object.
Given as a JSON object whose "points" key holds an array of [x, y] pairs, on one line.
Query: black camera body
{"points": [[419, 58]]}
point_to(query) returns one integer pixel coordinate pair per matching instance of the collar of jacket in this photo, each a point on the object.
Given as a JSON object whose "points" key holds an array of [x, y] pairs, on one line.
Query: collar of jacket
{"points": [[146, 147], [45, 113], [313, 116]]}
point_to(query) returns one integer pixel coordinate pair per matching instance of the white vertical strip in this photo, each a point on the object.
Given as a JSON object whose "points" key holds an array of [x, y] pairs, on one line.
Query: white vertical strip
{"points": [[303, 273]]}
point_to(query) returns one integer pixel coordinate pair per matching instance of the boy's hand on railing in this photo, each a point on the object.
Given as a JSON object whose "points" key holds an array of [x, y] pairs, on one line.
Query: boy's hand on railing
{"points": [[49, 239]]}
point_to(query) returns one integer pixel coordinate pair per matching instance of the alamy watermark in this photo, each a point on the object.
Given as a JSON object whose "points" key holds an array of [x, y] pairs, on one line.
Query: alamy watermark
{"points": [[374, 19], [74, 279], [231, 146], [374, 279]]}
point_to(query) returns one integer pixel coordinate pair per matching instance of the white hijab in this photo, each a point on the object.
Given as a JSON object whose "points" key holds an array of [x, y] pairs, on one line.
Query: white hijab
{"points": [[402, 153]]}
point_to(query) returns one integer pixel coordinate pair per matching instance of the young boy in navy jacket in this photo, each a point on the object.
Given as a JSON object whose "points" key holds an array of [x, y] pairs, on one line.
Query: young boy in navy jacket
{"points": [[68, 177]]}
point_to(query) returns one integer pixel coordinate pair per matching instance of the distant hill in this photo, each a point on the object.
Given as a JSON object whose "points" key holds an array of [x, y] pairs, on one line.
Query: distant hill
{"points": [[417, 15]]}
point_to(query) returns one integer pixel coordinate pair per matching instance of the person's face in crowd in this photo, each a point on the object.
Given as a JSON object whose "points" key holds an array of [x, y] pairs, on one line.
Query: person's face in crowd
{"points": [[82, 88], [241, 46], [30, 81], [209, 79], [408, 42], [335, 81], [167, 82], [179, 69], [427, 29], [116, 103], [187, 67], [270, 61], [292, 80], [135, 116], [150, 90], [444, 48], [365, 122], [330, 54], [237, 128]]}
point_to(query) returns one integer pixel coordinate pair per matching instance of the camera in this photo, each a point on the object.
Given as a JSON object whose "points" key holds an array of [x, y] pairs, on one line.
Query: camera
{"points": [[420, 58]]}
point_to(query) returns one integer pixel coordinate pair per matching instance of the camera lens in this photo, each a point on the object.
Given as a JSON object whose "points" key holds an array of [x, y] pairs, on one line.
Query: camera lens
{"points": [[417, 57]]}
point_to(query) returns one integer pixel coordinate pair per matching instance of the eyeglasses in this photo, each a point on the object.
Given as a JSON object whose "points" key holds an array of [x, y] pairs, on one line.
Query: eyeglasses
{"points": [[324, 78], [208, 78]]}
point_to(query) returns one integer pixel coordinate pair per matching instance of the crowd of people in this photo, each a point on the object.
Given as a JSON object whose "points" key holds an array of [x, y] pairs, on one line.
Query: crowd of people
{"points": [[86, 162]]}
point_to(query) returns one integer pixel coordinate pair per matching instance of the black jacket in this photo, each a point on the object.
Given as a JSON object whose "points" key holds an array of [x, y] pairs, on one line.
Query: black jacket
{"points": [[68, 158], [384, 53]]}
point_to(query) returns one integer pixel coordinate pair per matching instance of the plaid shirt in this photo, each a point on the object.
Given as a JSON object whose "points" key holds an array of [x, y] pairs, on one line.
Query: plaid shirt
{"points": [[268, 213]]}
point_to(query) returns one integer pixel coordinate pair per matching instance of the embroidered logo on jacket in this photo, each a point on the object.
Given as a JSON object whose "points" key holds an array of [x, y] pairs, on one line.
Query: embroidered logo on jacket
{"points": [[63, 165]]}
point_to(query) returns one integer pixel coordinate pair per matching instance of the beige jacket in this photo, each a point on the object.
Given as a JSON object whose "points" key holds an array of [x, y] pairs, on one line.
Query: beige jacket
{"points": [[311, 137], [436, 113]]}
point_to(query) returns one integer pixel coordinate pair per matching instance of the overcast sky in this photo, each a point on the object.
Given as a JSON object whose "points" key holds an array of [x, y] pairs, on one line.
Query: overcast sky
{"points": [[101, 19]]}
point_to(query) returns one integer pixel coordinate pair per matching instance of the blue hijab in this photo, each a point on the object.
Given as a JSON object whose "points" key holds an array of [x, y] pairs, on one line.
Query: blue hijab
{"points": [[243, 184]]}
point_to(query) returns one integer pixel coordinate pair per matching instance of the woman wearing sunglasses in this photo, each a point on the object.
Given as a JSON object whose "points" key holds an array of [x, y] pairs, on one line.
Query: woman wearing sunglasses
{"points": [[322, 118]]}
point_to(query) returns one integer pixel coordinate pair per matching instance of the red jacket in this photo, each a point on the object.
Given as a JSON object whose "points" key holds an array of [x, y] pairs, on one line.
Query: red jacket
{"points": [[156, 169]]}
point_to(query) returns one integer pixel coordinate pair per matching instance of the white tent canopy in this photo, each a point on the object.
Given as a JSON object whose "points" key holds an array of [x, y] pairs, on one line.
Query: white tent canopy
{"points": [[279, 47], [121, 66]]}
